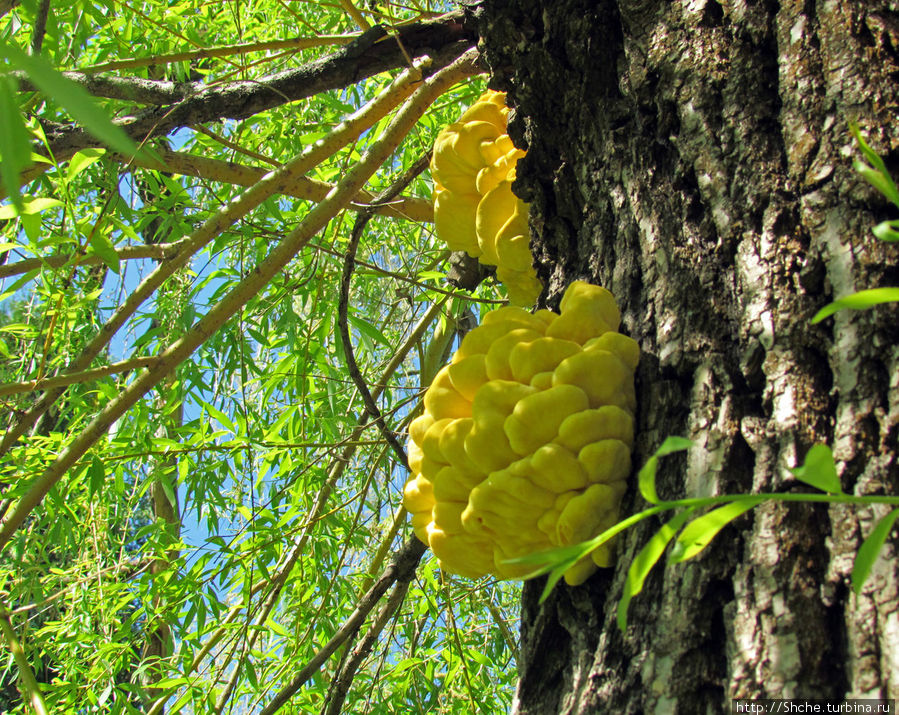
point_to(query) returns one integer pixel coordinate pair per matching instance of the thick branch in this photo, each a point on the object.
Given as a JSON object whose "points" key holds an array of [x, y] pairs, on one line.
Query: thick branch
{"points": [[407, 207], [126, 89], [373, 52]]}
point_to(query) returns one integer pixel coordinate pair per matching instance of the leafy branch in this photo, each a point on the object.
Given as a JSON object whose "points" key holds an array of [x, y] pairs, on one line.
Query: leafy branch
{"points": [[879, 177], [818, 471]]}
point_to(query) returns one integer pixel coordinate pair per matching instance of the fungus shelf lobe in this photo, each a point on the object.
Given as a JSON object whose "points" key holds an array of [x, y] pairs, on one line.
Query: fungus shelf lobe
{"points": [[475, 211], [526, 436]]}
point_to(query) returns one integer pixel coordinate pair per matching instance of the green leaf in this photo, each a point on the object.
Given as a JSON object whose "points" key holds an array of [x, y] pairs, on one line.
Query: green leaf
{"points": [[222, 419], [858, 301], [15, 141], [673, 444], [879, 180], [366, 328], [82, 160], [645, 560], [96, 476], [819, 470], [646, 479], [878, 176], [32, 206], [699, 533], [870, 548], [74, 99], [103, 247], [887, 231]]}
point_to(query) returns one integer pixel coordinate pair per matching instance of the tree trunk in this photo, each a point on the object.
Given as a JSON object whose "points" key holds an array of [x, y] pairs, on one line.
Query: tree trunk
{"points": [[694, 157]]}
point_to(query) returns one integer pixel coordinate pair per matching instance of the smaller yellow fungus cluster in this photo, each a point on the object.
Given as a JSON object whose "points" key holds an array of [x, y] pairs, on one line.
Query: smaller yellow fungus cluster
{"points": [[474, 208], [526, 436]]}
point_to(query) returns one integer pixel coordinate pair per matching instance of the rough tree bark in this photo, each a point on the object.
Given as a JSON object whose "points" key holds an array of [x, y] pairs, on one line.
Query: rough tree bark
{"points": [[694, 157]]}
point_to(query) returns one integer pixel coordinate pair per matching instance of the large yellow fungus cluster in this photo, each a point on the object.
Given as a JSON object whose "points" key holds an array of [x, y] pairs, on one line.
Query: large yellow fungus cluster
{"points": [[474, 208], [526, 436]]}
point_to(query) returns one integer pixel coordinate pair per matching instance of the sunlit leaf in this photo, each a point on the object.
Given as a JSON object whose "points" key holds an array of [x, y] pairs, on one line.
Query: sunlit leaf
{"points": [[858, 301], [870, 549], [819, 470], [887, 231], [646, 478], [82, 160], [103, 247], [76, 100], [879, 177], [644, 561], [699, 533]]}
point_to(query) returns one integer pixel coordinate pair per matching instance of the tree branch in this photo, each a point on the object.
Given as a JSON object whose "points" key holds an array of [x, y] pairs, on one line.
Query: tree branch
{"points": [[407, 207], [373, 52], [40, 27], [343, 305], [401, 570], [296, 43], [343, 681], [218, 314], [272, 183], [30, 688], [71, 378], [126, 89]]}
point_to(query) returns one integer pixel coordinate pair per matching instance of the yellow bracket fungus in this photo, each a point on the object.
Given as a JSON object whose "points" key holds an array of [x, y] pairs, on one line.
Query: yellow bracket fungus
{"points": [[474, 208], [525, 441]]}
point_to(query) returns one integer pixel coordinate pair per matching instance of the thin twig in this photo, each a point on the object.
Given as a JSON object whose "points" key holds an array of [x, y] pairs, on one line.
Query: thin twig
{"points": [[71, 378], [296, 43], [343, 305], [31, 689], [341, 684], [401, 569], [40, 27]]}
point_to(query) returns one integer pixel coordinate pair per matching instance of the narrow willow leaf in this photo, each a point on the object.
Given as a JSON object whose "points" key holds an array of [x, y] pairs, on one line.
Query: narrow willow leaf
{"points": [[819, 470], [645, 560], [880, 181], [887, 231], [82, 160], [96, 476], [74, 99], [646, 479], [673, 444], [870, 548], [699, 533], [366, 328], [15, 141], [858, 301], [883, 182], [32, 206], [103, 247]]}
